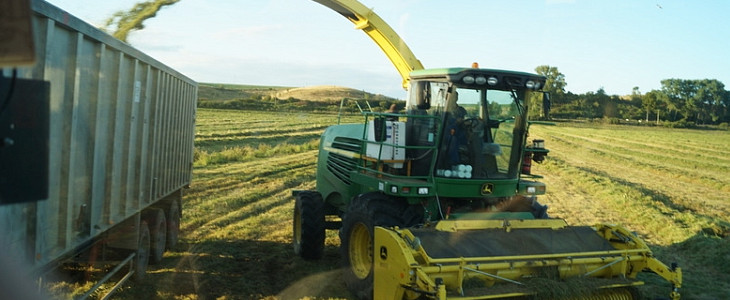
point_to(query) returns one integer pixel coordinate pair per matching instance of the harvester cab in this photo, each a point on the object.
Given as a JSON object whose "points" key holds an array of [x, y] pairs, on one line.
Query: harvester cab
{"points": [[465, 136], [438, 201]]}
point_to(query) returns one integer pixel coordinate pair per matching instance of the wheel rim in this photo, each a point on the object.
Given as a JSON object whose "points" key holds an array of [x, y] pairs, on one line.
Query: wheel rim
{"points": [[360, 251]]}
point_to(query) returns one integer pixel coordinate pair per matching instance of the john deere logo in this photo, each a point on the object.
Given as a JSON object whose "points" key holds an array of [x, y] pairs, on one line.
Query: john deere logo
{"points": [[487, 188]]}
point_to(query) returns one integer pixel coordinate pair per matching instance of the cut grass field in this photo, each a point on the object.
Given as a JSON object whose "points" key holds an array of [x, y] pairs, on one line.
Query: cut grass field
{"points": [[236, 240], [669, 186]]}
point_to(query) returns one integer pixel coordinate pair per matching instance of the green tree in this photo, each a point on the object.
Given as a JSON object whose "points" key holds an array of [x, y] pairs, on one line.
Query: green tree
{"points": [[598, 105], [653, 101], [711, 97], [696, 100], [555, 83], [677, 91], [636, 95], [725, 108]]}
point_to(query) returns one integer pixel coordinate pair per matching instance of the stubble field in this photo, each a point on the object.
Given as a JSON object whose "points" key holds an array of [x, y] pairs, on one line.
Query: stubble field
{"points": [[670, 186]]}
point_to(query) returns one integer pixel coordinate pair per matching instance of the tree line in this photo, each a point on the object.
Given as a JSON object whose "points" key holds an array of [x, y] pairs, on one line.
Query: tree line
{"points": [[678, 103]]}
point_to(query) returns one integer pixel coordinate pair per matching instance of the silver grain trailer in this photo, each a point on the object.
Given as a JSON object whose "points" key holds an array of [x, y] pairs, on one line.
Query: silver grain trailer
{"points": [[96, 148]]}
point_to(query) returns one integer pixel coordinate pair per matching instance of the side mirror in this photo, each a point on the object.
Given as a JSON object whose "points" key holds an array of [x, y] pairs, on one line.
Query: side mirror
{"points": [[546, 104], [424, 96]]}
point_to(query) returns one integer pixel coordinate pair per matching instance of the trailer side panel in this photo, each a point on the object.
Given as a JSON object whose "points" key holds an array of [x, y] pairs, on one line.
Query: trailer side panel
{"points": [[120, 138]]}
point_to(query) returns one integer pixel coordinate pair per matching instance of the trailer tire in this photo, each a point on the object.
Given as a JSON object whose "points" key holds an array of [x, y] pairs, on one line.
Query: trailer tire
{"points": [[173, 224], [357, 235], [309, 225], [143, 252], [158, 234]]}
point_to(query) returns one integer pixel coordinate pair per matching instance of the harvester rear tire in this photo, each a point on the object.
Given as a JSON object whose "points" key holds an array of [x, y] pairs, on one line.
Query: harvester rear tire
{"points": [[357, 235], [309, 225]]}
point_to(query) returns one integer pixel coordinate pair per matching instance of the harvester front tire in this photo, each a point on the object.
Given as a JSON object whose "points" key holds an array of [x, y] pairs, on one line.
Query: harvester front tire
{"points": [[357, 235], [309, 225]]}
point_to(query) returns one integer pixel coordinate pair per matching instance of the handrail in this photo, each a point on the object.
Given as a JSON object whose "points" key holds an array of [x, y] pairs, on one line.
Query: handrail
{"points": [[109, 275]]}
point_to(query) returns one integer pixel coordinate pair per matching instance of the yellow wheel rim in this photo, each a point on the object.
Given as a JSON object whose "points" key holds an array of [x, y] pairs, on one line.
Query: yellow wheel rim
{"points": [[361, 251]]}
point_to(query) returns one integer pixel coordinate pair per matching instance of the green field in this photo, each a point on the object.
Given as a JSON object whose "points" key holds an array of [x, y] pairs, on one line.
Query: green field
{"points": [[236, 241], [669, 186]]}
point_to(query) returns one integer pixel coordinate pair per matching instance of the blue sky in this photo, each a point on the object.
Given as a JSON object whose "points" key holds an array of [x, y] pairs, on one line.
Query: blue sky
{"points": [[615, 45]]}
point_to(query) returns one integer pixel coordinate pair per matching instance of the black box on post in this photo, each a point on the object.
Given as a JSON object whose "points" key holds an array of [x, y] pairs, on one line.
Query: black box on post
{"points": [[24, 128]]}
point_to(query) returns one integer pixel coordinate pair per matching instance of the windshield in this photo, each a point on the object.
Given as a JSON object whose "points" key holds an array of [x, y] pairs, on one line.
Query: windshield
{"points": [[478, 138]]}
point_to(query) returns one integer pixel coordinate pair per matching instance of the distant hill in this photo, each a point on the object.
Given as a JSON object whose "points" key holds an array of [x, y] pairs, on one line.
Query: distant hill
{"points": [[312, 98], [221, 92], [328, 93]]}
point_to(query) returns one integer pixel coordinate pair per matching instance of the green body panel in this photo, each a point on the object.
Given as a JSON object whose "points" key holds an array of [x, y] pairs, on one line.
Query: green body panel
{"points": [[470, 188], [339, 193], [443, 187], [333, 189], [525, 184], [403, 187]]}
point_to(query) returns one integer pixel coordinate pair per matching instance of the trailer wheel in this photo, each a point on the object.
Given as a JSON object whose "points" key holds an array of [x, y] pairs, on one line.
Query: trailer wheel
{"points": [[143, 252], [364, 213], [173, 224], [309, 225], [158, 234]]}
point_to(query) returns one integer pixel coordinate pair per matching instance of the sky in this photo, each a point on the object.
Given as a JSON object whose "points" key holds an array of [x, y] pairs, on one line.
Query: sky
{"points": [[614, 45]]}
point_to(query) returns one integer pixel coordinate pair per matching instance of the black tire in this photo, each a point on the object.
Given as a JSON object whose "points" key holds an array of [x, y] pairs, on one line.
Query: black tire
{"points": [[309, 225], [364, 213], [173, 224], [157, 223], [143, 252]]}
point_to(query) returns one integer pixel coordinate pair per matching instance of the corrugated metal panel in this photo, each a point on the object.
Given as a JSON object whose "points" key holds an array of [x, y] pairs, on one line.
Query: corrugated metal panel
{"points": [[121, 137]]}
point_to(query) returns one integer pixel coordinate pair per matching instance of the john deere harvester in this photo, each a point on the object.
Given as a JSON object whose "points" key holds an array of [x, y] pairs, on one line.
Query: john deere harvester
{"points": [[438, 201]]}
